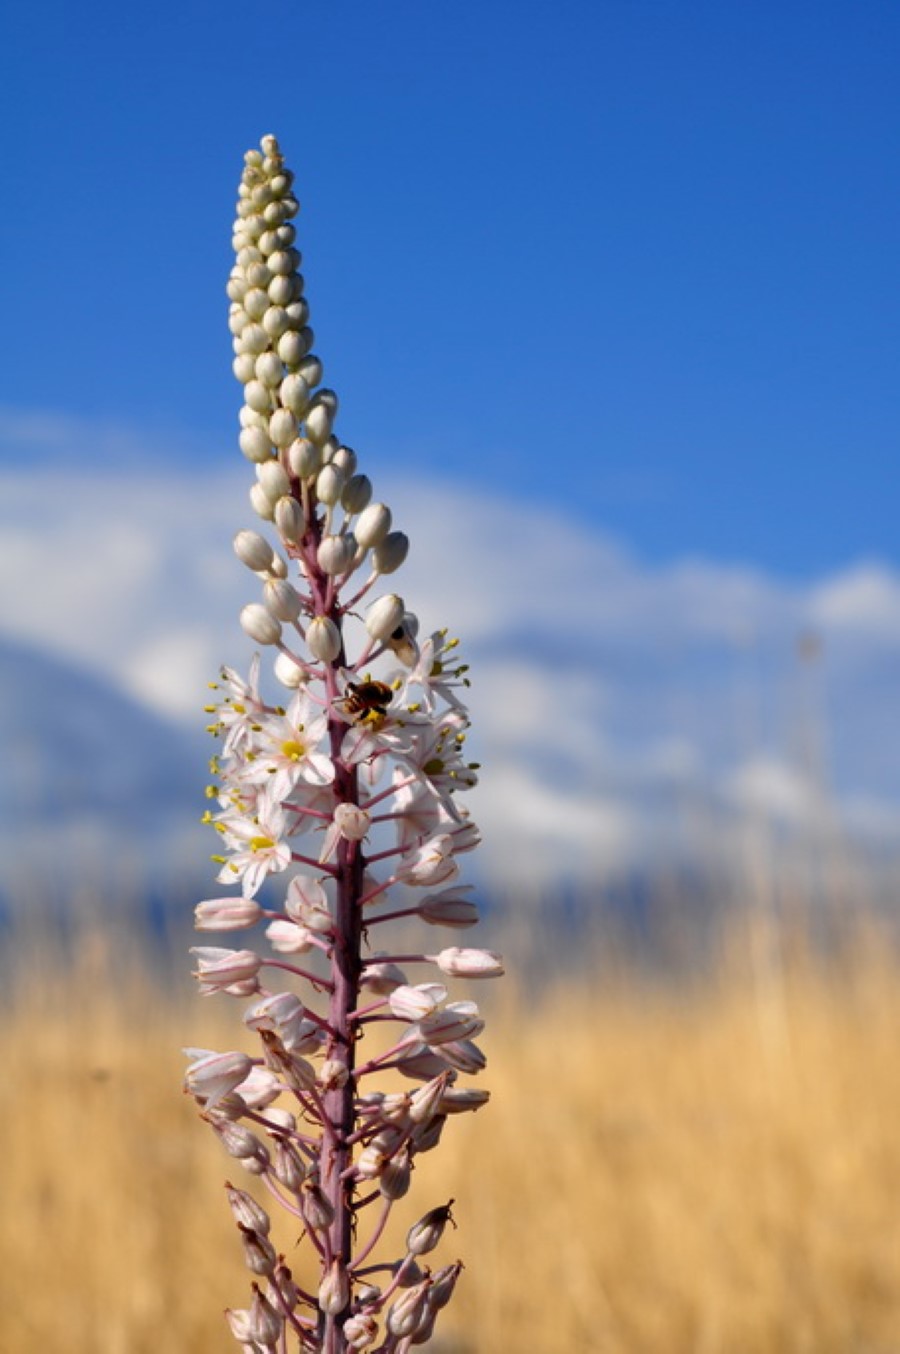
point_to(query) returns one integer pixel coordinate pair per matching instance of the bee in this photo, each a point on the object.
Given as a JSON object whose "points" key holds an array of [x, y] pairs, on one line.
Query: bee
{"points": [[367, 702]]}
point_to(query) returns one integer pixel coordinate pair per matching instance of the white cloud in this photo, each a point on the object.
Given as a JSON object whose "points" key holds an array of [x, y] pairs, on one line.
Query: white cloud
{"points": [[603, 689]]}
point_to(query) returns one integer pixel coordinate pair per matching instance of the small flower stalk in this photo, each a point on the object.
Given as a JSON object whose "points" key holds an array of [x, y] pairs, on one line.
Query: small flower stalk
{"points": [[338, 811]]}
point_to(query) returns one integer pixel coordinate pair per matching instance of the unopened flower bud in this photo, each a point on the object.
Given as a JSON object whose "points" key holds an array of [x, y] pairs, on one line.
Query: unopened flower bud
{"points": [[443, 1284], [259, 624], [394, 1181], [414, 1003], [311, 366], [287, 937], [407, 1312], [257, 395], [212, 1076], [382, 978], [356, 493], [288, 672], [323, 639], [427, 1136], [457, 1020], [247, 1212], [273, 480], [384, 615], [269, 369], [289, 520], [332, 1075], [373, 525], [294, 394], [464, 963], [459, 1100], [425, 1234], [282, 428], [276, 322], [449, 908], [329, 484], [282, 599], [344, 458], [226, 914], [262, 505], [334, 1290], [360, 1331], [304, 458], [293, 346], [255, 444], [288, 1166], [220, 970], [320, 417], [259, 1253], [390, 553], [265, 1324], [253, 550], [239, 1142], [244, 368], [424, 1102], [317, 1211], [335, 553]]}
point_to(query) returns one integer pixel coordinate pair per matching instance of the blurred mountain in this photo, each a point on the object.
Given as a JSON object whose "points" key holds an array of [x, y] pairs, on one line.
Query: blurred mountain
{"points": [[99, 791]]}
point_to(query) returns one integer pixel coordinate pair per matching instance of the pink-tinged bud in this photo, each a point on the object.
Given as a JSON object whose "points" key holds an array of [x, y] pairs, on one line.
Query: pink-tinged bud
{"points": [[449, 908], [382, 978], [370, 1163], [414, 1003], [336, 553], [288, 1166], [384, 616], [259, 1253], [260, 625], [407, 1313], [430, 863], [425, 1102], [443, 1284], [373, 525], [464, 1056], [461, 963], [265, 1322], [226, 914], [390, 553], [332, 1075], [351, 821], [248, 1214], [307, 903], [288, 938], [222, 970], [254, 551], [282, 599], [455, 1101], [282, 1013], [323, 639], [360, 1331], [317, 1211], [427, 1136], [395, 1179], [213, 1075], [260, 1088], [458, 1020], [421, 1063], [239, 1142], [238, 1319], [425, 1234], [289, 520], [304, 458], [334, 1290]]}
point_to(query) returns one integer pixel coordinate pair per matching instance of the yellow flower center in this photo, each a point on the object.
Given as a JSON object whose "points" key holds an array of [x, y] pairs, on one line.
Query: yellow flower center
{"points": [[293, 749], [261, 843]]}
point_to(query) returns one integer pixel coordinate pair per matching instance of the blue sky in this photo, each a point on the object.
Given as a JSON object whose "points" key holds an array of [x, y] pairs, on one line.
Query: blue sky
{"points": [[635, 256]]}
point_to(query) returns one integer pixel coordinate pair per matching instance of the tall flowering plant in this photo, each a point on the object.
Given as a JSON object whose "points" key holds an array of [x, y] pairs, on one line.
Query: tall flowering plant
{"points": [[338, 813]]}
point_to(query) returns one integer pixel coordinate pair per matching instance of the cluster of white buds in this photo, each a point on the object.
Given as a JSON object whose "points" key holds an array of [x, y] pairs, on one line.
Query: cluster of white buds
{"points": [[338, 814]]}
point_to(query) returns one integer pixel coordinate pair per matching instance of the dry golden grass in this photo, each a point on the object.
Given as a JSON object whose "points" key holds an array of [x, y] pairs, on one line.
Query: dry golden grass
{"points": [[715, 1168]]}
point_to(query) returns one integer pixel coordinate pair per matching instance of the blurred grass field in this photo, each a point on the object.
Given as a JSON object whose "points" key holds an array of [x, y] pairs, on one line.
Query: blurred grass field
{"points": [[704, 1165]]}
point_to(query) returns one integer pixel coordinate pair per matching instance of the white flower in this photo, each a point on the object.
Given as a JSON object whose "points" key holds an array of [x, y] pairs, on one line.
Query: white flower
{"points": [[287, 749], [257, 844], [222, 970]]}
